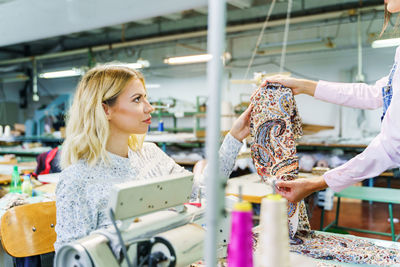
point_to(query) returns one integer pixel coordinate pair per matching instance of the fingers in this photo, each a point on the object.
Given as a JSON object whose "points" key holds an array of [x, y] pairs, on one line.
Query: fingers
{"points": [[275, 79], [247, 112], [284, 184], [287, 193]]}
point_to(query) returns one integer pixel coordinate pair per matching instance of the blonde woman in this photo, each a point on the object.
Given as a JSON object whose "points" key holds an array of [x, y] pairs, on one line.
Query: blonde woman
{"points": [[382, 153], [104, 146]]}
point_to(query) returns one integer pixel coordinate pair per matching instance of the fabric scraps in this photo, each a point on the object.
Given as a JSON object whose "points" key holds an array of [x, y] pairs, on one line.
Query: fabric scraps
{"points": [[337, 248], [346, 250], [274, 125]]}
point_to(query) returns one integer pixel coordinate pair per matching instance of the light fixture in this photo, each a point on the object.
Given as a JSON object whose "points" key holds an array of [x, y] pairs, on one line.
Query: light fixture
{"points": [[386, 43], [192, 59], [139, 64], [132, 65], [152, 85], [62, 73], [35, 97]]}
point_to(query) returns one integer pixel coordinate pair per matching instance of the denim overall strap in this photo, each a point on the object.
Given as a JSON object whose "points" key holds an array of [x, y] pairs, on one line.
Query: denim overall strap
{"points": [[387, 91]]}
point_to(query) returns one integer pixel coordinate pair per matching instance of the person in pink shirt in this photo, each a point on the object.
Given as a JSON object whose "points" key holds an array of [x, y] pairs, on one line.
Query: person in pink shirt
{"points": [[382, 153]]}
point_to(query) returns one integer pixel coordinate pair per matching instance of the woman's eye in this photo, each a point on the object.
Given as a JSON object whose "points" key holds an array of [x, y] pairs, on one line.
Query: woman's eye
{"points": [[137, 99]]}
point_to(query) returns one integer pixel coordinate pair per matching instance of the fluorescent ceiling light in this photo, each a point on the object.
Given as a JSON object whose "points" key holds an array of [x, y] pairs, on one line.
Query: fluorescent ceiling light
{"points": [[386, 43], [139, 64], [133, 65], [153, 85], [62, 73], [188, 59], [193, 59]]}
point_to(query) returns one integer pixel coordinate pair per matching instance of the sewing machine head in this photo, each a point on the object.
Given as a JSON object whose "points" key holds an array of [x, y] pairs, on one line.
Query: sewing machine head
{"points": [[136, 198], [150, 222]]}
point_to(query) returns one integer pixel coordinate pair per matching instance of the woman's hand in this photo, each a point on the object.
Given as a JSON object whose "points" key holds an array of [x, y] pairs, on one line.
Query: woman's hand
{"points": [[241, 127], [298, 86], [296, 190]]}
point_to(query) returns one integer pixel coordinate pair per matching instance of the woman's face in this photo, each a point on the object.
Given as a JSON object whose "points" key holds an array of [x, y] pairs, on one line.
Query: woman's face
{"points": [[393, 6], [131, 112]]}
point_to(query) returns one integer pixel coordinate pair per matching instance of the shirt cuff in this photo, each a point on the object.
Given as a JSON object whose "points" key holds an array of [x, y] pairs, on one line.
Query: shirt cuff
{"points": [[231, 144], [337, 180], [322, 91]]}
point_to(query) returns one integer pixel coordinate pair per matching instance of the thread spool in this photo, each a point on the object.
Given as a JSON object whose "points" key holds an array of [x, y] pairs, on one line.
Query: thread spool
{"points": [[240, 247], [7, 131], [274, 236]]}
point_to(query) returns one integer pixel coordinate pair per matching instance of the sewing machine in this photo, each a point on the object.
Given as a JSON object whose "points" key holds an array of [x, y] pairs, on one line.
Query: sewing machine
{"points": [[151, 227]]}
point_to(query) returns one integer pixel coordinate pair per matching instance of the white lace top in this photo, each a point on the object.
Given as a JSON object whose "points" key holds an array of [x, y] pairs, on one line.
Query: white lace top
{"points": [[83, 191]]}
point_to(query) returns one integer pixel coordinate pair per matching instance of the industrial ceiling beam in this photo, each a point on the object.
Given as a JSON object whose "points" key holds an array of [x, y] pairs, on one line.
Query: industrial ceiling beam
{"points": [[195, 34]]}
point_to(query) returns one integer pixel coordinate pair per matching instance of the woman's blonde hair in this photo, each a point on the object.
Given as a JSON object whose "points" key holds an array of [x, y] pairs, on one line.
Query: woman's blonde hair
{"points": [[87, 129], [387, 16], [386, 20]]}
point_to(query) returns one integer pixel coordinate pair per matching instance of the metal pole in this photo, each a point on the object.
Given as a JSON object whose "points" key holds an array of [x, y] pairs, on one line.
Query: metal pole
{"points": [[360, 75], [214, 188]]}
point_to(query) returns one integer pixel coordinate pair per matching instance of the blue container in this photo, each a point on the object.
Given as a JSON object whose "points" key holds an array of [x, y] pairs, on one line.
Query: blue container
{"points": [[161, 126]]}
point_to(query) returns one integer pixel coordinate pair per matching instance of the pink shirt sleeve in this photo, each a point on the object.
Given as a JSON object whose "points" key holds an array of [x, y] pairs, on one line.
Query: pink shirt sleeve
{"points": [[384, 151], [381, 154], [356, 95]]}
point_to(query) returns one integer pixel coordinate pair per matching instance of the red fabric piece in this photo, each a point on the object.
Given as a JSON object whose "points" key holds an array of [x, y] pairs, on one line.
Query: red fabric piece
{"points": [[50, 156]]}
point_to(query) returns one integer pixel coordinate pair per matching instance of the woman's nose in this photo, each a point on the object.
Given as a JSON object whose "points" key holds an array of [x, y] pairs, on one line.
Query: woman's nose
{"points": [[148, 107]]}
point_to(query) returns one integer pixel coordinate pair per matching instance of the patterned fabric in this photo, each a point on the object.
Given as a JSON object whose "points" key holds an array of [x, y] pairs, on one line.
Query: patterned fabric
{"points": [[338, 248], [275, 124], [83, 191], [387, 91]]}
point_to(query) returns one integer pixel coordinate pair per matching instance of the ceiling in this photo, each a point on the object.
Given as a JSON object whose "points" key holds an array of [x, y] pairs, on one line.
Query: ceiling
{"points": [[163, 26]]}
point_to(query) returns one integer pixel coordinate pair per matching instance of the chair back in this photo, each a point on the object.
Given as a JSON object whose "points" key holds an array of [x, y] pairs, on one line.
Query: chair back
{"points": [[29, 230]]}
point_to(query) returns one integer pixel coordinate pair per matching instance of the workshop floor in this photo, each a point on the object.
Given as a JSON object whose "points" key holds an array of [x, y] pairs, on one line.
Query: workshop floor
{"points": [[361, 214]]}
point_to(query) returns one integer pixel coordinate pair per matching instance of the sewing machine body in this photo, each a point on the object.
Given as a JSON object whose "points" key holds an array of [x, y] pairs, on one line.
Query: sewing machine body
{"points": [[151, 219]]}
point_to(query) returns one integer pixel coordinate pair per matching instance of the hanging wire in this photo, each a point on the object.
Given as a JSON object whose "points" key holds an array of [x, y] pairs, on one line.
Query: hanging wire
{"points": [[338, 26], [259, 38], [371, 21], [285, 35]]}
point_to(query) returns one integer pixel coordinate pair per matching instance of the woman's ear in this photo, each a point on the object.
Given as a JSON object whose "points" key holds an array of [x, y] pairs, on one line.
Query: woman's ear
{"points": [[107, 110]]}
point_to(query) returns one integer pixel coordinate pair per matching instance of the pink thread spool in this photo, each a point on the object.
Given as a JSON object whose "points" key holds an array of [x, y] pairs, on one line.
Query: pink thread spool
{"points": [[240, 247]]}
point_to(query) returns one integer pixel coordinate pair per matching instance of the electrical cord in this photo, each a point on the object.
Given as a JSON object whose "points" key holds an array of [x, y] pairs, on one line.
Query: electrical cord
{"points": [[143, 261], [121, 241], [285, 36]]}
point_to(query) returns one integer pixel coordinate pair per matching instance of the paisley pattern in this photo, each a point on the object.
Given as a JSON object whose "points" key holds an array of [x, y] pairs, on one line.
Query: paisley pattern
{"points": [[335, 248], [274, 126]]}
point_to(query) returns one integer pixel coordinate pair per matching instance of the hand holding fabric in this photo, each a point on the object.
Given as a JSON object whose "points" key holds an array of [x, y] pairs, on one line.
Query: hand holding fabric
{"points": [[241, 127], [298, 86], [298, 189]]}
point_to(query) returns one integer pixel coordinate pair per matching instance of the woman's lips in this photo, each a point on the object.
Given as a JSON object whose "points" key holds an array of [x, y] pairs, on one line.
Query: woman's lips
{"points": [[148, 121]]}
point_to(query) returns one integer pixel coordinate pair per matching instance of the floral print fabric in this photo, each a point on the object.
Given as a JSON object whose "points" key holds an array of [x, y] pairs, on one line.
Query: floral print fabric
{"points": [[334, 249]]}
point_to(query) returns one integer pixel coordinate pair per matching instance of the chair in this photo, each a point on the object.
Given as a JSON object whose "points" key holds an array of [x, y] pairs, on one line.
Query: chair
{"points": [[29, 230]]}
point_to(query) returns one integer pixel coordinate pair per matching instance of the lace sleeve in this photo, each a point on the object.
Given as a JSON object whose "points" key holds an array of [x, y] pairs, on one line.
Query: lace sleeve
{"points": [[227, 157], [76, 214]]}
